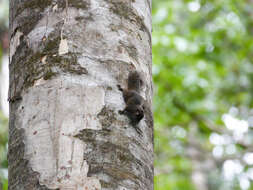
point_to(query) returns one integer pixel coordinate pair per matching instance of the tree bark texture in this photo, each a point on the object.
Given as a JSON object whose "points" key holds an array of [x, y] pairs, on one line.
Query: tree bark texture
{"points": [[66, 59]]}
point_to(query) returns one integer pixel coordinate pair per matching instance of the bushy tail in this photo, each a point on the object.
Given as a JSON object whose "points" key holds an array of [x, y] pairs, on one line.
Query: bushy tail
{"points": [[135, 81]]}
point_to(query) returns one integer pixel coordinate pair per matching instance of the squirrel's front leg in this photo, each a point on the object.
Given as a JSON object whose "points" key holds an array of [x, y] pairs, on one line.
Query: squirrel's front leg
{"points": [[122, 112]]}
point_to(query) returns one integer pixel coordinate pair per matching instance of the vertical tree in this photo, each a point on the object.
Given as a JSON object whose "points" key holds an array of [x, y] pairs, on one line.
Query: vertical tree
{"points": [[66, 60]]}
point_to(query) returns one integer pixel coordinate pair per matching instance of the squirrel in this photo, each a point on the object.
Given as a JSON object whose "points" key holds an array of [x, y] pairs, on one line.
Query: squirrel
{"points": [[134, 109]]}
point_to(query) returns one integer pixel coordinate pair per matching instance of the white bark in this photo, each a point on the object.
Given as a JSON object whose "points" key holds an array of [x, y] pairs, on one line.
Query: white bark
{"points": [[65, 65]]}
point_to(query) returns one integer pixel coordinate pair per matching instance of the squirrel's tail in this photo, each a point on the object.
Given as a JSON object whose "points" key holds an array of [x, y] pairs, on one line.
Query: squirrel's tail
{"points": [[135, 81]]}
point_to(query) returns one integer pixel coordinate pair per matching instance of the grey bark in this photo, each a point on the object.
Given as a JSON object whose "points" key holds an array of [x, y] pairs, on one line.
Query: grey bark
{"points": [[66, 59]]}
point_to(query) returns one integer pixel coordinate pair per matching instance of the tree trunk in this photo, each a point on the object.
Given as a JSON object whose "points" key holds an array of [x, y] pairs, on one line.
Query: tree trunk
{"points": [[66, 60]]}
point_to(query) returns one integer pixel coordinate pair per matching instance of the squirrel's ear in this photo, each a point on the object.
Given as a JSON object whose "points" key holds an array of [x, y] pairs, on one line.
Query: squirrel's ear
{"points": [[138, 112]]}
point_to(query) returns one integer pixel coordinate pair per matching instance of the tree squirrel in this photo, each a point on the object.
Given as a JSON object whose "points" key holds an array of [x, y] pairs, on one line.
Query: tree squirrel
{"points": [[134, 109]]}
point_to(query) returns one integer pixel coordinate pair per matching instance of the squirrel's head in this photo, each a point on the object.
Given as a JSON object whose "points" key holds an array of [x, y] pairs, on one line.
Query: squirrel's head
{"points": [[139, 113], [135, 113]]}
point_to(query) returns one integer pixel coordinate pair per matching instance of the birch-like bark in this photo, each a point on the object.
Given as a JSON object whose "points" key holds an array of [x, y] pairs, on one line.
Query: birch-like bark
{"points": [[66, 59]]}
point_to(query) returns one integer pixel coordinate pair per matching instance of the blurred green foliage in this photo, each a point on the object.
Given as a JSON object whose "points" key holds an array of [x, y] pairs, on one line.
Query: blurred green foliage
{"points": [[4, 11], [3, 150], [202, 68]]}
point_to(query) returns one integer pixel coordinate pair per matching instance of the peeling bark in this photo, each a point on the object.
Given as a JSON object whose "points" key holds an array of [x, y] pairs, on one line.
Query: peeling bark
{"points": [[66, 59]]}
